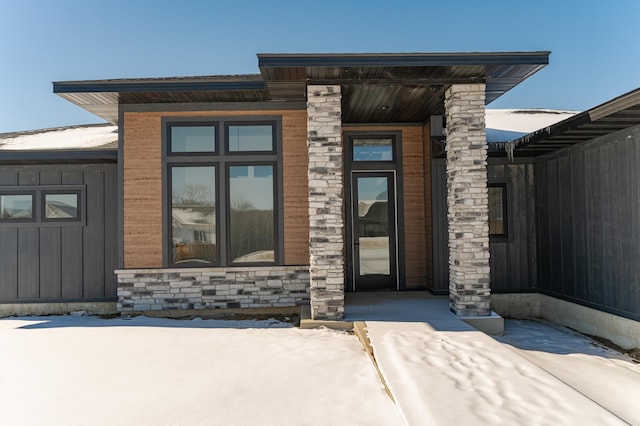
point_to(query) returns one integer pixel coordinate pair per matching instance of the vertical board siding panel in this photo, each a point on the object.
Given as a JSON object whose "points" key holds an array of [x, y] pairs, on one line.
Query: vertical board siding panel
{"points": [[614, 254], [522, 220], [555, 228], [71, 266], [625, 176], [633, 299], [531, 227], [49, 177], [72, 177], [594, 291], [110, 230], [28, 267], [93, 236], [542, 197], [8, 263], [8, 177], [607, 228], [580, 226], [50, 279], [565, 176]]}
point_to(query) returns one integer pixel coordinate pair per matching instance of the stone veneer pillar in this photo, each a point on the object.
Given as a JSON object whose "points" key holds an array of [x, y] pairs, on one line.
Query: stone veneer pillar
{"points": [[326, 222], [468, 200]]}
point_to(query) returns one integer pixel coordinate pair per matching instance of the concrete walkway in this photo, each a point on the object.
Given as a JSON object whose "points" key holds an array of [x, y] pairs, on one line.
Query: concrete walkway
{"points": [[441, 371]]}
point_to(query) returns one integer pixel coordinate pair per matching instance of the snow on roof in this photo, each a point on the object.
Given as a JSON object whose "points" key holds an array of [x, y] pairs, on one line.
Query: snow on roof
{"points": [[524, 120], [504, 125], [86, 137]]}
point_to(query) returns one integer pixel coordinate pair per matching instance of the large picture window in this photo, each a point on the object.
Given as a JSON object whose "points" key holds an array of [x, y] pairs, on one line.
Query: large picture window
{"points": [[222, 192]]}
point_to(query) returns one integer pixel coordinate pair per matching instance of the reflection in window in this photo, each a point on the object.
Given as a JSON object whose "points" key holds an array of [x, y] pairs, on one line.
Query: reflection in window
{"points": [[61, 206], [372, 149], [193, 138], [373, 226], [251, 138], [16, 207], [252, 238], [497, 211], [193, 214]]}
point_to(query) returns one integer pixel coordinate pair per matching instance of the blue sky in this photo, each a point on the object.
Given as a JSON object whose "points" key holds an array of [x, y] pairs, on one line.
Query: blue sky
{"points": [[595, 44]]}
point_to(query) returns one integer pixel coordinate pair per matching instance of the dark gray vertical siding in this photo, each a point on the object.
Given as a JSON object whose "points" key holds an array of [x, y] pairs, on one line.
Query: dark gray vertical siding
{"points": [[49, 262], [9, 266], [513, 260], [589, 222], [72, 266], [93, 236]]}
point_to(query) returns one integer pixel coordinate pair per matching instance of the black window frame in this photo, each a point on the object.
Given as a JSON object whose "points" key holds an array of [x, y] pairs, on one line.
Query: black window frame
{"points": [[193, 123], [394, 154], [38, 205], [216, 200], [222, 159], [247, 123], [43, 205], [34, 214], [505, 210]]}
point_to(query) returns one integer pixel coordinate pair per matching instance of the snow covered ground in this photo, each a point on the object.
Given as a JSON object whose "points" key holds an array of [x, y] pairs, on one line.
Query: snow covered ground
{"points": [[76, 370], [444, 375], [89, 371]]}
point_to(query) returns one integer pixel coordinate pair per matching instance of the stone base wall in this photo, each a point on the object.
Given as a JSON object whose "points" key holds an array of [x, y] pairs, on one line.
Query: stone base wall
{"points": [[212, 288]]}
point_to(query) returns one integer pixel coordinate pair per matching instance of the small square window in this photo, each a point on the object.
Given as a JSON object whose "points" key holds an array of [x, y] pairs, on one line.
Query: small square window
{"points": [[497, 210], [192, 138], [250, 138], [61, 206], [16, 207]]}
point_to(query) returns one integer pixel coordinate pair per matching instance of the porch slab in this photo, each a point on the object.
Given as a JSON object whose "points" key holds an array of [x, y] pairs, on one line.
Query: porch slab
{"points": [[393, 306]]}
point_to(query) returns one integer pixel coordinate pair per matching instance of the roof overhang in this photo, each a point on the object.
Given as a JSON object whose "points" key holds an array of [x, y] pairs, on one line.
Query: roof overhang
{"points": [[617, 114], [377, 87]]}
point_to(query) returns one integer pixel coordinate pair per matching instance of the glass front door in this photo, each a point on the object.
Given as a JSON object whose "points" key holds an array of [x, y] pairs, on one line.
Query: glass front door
{"points": [[374, 231]]}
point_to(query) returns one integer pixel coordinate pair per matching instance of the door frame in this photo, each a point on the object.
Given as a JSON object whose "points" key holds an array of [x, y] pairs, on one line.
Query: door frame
{"points": [[373, 166], [393, 259]]}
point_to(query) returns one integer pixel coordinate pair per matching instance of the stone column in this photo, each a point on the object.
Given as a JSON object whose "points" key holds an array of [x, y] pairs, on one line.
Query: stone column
{"points": [[326, 213], [468, 200]]}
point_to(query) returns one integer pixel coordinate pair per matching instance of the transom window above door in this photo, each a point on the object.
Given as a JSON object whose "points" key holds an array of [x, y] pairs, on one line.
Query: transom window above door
{"points": [[372, 149], [223, 195]]}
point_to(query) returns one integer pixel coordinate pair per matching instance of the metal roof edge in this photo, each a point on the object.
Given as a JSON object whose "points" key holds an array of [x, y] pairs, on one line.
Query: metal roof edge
{"points": [[129, 86], [401, 59], [62, 156]]}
